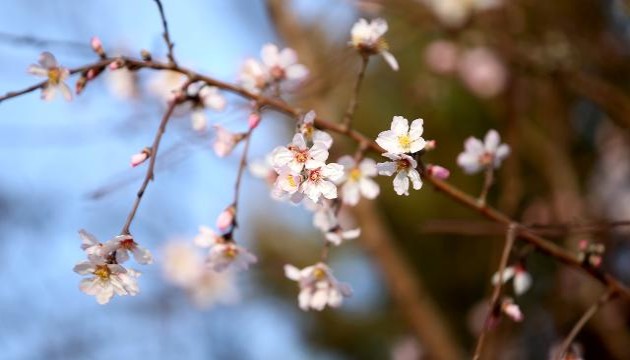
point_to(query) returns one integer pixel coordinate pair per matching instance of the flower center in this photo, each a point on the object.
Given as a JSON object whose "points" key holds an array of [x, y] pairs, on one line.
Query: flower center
{"points": [[277, 72], [402, 164], [128, 244], [404, 141], [301, 156], [230, 252], [102, 271], [314, 175], [54, 76], [355, 174], [319, 274], [291, 180], [486, 158]]}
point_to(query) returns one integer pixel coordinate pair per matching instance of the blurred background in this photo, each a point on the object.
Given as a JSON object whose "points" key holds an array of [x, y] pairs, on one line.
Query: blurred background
{"points": [[551, 77]]}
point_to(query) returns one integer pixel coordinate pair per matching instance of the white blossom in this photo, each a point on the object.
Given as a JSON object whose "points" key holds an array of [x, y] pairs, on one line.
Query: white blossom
{"points": [[404, 166], [287, 183], [208, 97], [122, 245], [320, 181], [165, 84], [106, 279], [338, 235], [224, 253], [367, 38], [225, 141], [479, 155], [90, 244], [307, 128], [122, 83], [253, 76], [297, 155], [318, 286], [357, 180], [456, 12], [282, 64], [325, 219], [184, 267], [522, 280], [49, 68], [401, 138]]}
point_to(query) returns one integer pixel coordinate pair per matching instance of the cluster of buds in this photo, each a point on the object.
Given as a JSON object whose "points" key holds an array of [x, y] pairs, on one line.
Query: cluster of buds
{"points": [[104, 266], [591, 254]]}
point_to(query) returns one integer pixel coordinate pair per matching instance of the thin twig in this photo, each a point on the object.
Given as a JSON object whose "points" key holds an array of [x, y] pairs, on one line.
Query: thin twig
{"points": [[496, 293], [40, 43], [166, 34], [241, 170], [488, 180], [354, 100], [154, 152], [590, 312]]}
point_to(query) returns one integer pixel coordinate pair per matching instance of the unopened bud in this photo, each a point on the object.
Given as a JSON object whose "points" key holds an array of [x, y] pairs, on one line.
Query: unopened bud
{"points": [[438, 171], [145, 54], [80, 85], [253, 120], [116, 64], [509, 308], [140, 157], [225, 221], [430, 145], [97, 46]]}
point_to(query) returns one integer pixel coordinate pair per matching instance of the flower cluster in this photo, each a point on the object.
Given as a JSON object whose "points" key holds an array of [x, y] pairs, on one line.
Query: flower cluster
{"points": [[224, 253], [400, 142], [104, 266], [276, 67], [367, 38], [318, 286]]}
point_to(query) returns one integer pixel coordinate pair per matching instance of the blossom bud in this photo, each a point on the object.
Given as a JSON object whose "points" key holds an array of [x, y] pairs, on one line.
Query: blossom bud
{"points": [[116, 64], [513, 311], [146, 55], [438, 171], [140, 157], [97, 46], [430, 145], [80, 85], [253, 120], [226, 219]]}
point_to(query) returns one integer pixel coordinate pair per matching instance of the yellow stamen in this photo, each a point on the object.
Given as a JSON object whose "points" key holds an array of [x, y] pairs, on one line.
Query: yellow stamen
{"points": [[102, 271], [319, 274], [404, 141], [355, 174], [231, 252], [54, 76]]}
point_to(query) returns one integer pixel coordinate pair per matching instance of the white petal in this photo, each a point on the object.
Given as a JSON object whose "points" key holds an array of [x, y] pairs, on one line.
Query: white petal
{"points": [[328, 189], [491, 141], [522, 282], [304, 299], [388, 140], [334, 238], [199, 121], [469, 162], [502, 152], [350, 193], [414, 176], [84, 268], [401, 183], [333, 171], [65, 91], [37, 71], [400, 126], [319, 299], [369, 188], [142, 255], [386, 168], [299, 141], [292, 272], [323, 137], [47, 60], [296, 72], [351, 234], [474, 146], [390, 59], [368, 167], [508, 272], [49, 92], [269, 55]]}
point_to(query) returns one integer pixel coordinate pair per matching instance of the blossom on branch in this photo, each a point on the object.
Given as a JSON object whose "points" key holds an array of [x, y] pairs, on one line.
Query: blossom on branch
{"points": [[282, 64], [367, 38], [522, 279], [320, 181], [404, 166], [318, 286], [401, 138], [307, 129], [107, 279], [357, 180], [479, 155], [56, 75], [223, 253], [122, 245]]}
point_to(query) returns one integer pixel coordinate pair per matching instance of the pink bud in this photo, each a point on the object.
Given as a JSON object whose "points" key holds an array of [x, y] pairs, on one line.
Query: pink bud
{"points": [[512, 310], [583, 245], [91, 74], [253, 120], [430, 145], [595, 260], [226, 219], [439, 172], [97, 45], [114, 65], [140, 157]]}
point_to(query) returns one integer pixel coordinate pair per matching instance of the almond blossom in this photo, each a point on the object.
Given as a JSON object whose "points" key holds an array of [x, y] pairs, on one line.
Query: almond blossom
{"points": [[282, 64], [107, 279], [122, 245], [318, 286], [320, 181], [367, 38], [522, 279], [307, 128], [297, 155], [49, 68], [207, 97], [404, 166], [253, 76], [401, 138], [225, 141], [287, 185], [223, 253], [479, 155], [184, 267], [357, 180]]}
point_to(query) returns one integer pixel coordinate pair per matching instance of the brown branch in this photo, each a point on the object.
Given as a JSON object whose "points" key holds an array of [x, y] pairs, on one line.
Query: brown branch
{"points": [[166, 34], [354, 101], [496, 293], [239, 176], [590, 312]]}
